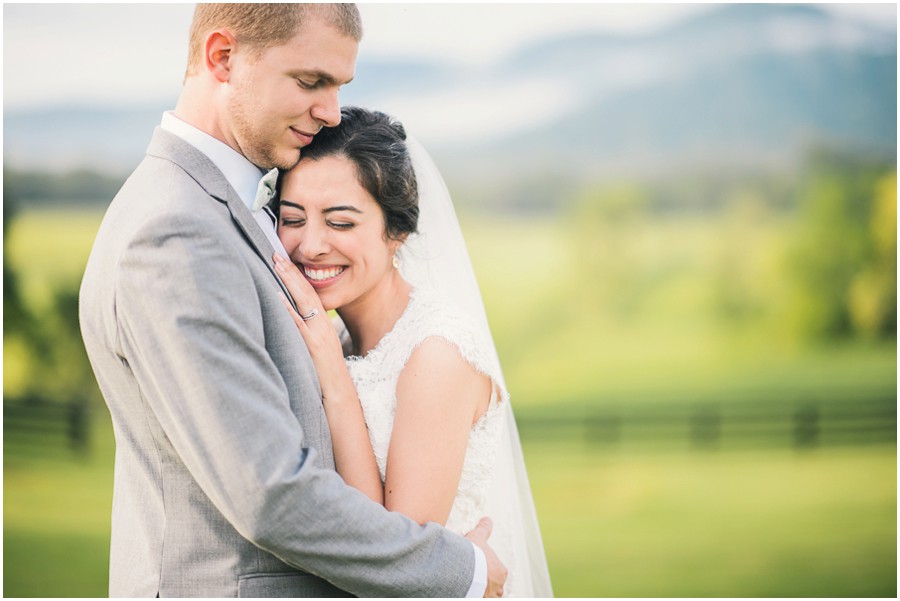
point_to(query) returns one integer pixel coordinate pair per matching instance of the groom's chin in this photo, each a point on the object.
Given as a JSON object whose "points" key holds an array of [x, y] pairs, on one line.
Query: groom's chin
{"points": [[296, 160], [287, 161]]}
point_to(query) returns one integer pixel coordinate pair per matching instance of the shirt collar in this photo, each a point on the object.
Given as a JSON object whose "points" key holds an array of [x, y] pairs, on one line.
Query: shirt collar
{"points": [[243, 175]]}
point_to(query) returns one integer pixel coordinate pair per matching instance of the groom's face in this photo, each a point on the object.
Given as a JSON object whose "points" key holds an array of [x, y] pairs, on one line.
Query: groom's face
{"points": [[280, 100]]}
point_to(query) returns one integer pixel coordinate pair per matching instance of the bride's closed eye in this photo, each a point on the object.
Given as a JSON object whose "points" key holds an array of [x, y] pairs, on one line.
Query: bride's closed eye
{"points": [[341, 225], [301, 221], [292, 221]]}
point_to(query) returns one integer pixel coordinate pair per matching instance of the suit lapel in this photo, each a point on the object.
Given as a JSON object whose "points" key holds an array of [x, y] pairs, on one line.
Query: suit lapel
{"points": [[169, 146]]}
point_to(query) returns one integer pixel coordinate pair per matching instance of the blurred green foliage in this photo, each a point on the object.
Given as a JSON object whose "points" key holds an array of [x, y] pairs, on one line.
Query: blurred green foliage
{"points": [[820, 268], [845, 258], [15, 317], [43, 355], [729, 286]]}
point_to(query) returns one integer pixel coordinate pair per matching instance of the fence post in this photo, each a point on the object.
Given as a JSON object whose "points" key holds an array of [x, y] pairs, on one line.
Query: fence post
{"points": [[604, 428], [706, 426], [78, 425], [806, 425]]}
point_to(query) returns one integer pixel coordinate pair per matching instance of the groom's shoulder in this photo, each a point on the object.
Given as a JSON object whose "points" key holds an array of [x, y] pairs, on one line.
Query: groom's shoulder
{"points": [[172, 168], [160, 199], [159, 184]]}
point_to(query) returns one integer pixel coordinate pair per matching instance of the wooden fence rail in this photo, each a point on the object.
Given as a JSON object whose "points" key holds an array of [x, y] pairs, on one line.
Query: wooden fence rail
{"points": [[31, 425], [801, 424], [34, 424]]}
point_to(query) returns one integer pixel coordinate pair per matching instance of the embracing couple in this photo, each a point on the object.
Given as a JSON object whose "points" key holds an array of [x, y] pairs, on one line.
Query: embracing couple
{"points": [[263, 447]]}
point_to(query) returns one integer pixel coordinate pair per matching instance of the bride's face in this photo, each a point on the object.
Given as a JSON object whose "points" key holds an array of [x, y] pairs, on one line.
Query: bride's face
{"points": [[334, 231]]}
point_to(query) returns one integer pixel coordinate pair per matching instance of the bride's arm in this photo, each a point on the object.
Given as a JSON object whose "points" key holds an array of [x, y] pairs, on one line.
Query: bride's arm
{"points": [[439, 397], [354, 459], [353, 455]]}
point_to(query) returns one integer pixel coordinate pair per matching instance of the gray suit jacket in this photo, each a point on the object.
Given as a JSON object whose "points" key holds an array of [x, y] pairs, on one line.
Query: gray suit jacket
{"points": [[224, 473]]}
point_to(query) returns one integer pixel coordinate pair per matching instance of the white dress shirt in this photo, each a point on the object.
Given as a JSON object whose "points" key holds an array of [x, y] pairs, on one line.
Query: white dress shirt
{"points": [[244, 177]]}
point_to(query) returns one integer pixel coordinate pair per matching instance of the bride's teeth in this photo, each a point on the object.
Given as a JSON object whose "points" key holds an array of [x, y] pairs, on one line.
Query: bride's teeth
{"points": [[322, 274]]}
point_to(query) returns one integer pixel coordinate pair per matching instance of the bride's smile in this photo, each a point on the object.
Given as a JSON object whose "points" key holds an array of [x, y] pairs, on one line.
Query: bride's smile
{"points": [[320, 276]]}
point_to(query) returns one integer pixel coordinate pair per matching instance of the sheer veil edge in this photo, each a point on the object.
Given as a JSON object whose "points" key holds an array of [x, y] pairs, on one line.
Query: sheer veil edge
{"points": [[437, 257]]}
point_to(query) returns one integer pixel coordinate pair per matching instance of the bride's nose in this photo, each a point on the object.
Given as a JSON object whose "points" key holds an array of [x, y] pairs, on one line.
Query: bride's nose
{"points": [[314, 241]]}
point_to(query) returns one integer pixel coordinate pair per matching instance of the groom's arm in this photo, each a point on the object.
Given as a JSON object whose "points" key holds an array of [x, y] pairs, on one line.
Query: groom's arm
{"points": [[189, 318]]}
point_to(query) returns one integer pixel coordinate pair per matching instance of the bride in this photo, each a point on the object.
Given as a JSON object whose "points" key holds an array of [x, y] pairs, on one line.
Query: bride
{"points": [[411, 383]]}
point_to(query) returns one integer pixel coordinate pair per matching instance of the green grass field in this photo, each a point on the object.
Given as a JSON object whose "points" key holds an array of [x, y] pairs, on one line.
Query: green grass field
{"points": [[761, 524], [56, 514], [631, 520], [615, 524]]}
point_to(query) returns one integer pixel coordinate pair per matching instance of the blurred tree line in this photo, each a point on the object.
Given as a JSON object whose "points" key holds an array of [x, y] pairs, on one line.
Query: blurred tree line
{"points": [[43, 342], [811, 257], [78, 187]]}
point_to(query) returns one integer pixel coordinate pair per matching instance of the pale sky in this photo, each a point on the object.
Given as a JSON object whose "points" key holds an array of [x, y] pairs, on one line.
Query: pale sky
{"points": [[133, 54]]}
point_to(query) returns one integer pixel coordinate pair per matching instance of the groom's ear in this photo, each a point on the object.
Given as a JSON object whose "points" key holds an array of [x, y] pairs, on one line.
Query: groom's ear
{"points": [[218, 51]]}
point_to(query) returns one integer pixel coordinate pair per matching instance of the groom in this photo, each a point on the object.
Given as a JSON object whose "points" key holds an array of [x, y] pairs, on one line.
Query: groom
{"points": [[224, 475]]}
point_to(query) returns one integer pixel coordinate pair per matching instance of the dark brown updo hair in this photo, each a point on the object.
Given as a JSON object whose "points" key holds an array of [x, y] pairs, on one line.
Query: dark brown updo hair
{"points": [[376, 145]]}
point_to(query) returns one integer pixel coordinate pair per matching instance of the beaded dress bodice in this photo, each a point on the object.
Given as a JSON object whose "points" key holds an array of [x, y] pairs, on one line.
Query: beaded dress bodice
{"points": [[376, 375]]}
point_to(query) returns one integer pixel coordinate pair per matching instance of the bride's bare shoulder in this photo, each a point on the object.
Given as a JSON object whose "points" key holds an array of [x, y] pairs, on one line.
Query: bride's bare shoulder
{"points": [[438, 375]]}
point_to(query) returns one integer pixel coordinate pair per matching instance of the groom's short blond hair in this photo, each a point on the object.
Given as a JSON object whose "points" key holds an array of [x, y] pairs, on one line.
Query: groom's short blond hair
{"points": [[261, 26]]}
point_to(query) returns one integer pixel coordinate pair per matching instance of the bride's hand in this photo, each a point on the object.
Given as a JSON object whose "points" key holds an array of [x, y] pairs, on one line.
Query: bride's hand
{"points": [[312, 321]]}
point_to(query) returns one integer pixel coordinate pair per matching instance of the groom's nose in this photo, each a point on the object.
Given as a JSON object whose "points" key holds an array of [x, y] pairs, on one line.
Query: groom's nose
{"points": [[327, 110]]}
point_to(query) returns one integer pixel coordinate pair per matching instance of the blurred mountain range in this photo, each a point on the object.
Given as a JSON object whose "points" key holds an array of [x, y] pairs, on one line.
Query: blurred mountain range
{"points": [[742, 86]]}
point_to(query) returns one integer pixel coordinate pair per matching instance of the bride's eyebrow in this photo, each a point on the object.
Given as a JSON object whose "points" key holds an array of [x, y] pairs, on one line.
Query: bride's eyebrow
{"points": [[342, 208], [300, 207]]}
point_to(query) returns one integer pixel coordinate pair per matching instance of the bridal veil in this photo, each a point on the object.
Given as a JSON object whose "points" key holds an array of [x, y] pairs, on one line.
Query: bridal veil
{"points": [[437, 257]]}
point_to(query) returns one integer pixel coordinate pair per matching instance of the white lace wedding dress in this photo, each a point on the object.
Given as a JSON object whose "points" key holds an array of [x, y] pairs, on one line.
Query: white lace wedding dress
{"points": [[376, 374]]}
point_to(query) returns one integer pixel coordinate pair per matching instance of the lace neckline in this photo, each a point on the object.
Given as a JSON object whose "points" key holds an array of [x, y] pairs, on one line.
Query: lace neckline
{"points": [[378, 349]]}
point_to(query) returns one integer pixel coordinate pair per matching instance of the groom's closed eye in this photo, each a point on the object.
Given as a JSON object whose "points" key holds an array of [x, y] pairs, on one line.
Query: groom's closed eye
{"points": [[306, 85], [316, 79]]}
